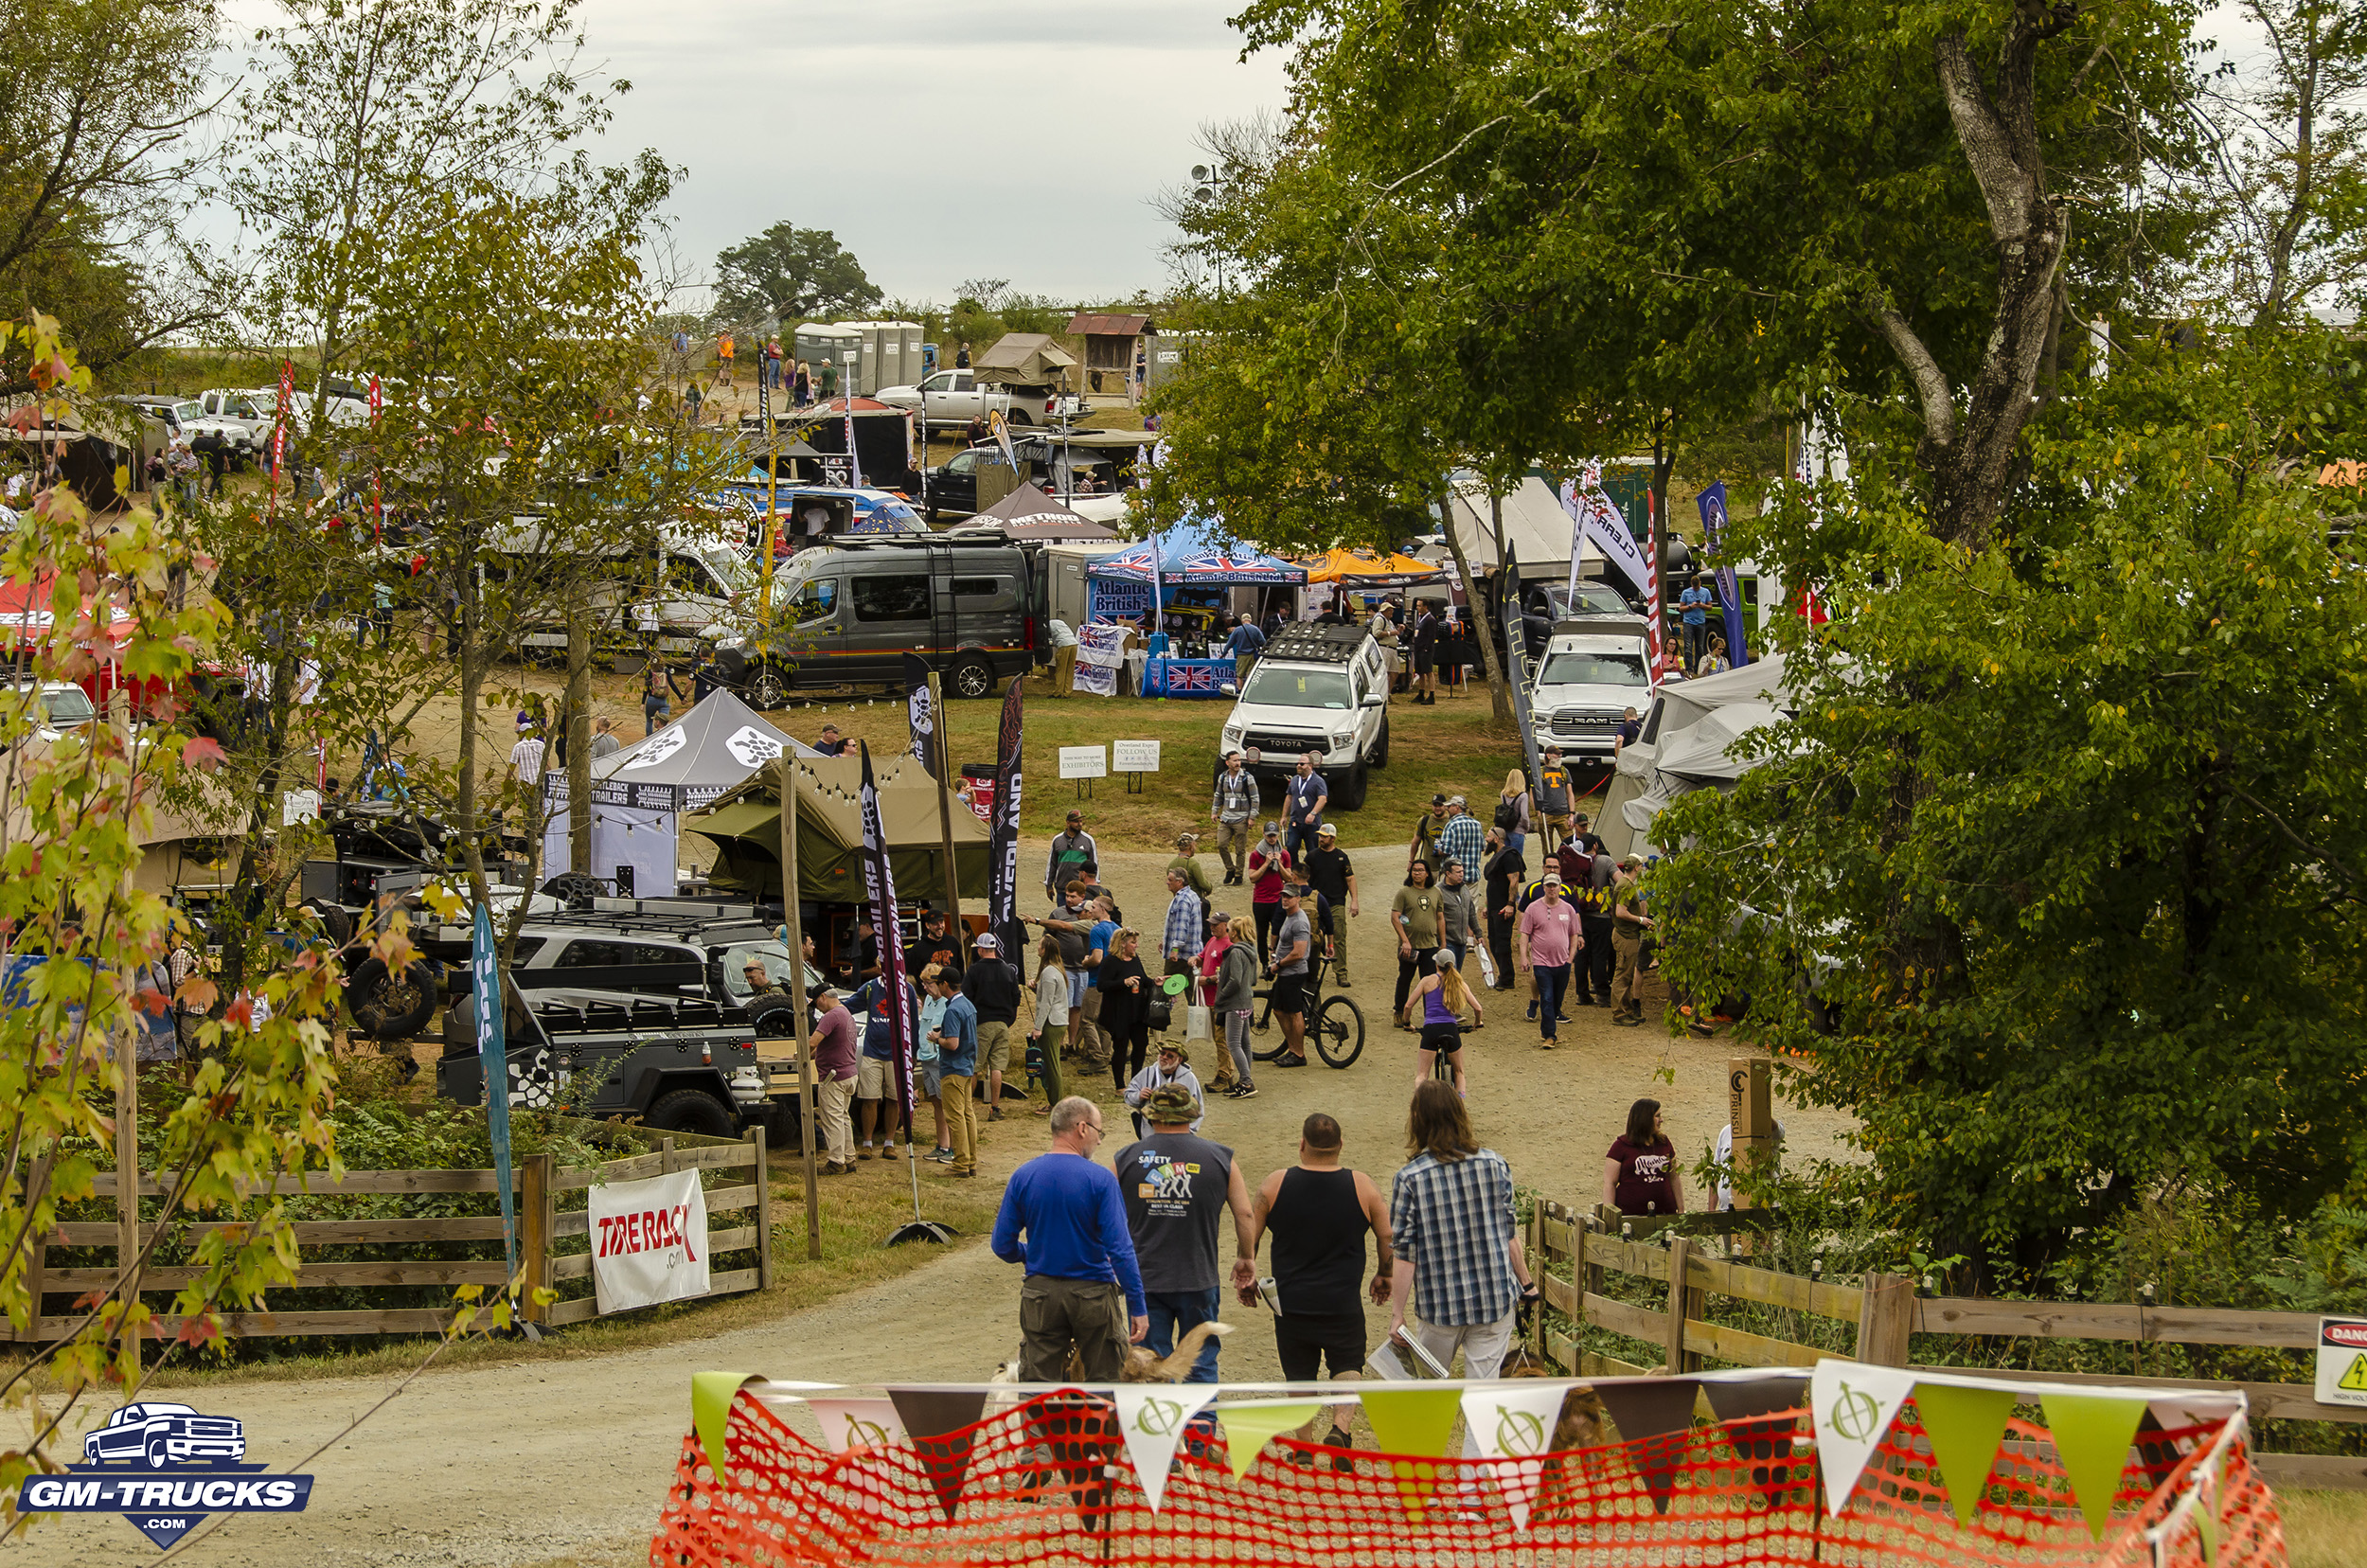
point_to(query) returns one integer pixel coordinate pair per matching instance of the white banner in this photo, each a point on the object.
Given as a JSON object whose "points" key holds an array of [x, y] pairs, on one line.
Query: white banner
{"points": [[1154, 1417], [649, 1241], [1095, 679], [1852, 1404], [1599, 522], [1514, 1423], [1101, 644]]}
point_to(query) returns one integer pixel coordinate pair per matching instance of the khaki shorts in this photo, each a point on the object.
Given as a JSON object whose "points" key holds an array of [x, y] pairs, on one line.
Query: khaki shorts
{"points": [[994, 1048], [874, 1078]]}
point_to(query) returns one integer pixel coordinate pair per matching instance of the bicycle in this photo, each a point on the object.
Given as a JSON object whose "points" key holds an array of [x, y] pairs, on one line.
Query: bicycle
{"points": [[1335, 1026], [1442, 1062]]}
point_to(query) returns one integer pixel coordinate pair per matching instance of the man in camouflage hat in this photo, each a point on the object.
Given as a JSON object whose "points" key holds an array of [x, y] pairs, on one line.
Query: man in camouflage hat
{"points": [[1176, 1184]]}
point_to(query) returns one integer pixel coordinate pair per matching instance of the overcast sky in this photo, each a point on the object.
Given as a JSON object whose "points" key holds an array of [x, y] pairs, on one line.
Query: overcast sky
{"points": [[938, 139]]}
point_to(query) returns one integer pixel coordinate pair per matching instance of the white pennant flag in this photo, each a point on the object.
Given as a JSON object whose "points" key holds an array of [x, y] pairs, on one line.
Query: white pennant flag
{"points": [[858, 1423], [1597, 522], [1852, 1404], [1154, 1417], [1513, 1423]]}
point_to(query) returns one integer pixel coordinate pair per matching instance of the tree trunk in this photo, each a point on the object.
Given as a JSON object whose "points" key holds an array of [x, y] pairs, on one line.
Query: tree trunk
{"points": [[471, 687], [579, 743], [1500, 695]]}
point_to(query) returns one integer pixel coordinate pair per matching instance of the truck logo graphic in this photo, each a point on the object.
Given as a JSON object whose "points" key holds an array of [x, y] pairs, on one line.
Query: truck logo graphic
{"points": [[165, 1466]]}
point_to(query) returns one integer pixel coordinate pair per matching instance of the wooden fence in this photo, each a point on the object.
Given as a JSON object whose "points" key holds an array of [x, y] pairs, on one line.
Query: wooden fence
{"points": [[1885, 1313], [554, 1242]]}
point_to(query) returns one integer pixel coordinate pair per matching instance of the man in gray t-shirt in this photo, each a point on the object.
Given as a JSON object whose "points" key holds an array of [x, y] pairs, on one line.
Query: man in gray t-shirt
{"points": [[1294, 944], [1175, 1186]]}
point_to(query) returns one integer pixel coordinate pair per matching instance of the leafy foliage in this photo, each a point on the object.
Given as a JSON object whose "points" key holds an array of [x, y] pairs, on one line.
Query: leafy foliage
{"points": [[794, 274]]}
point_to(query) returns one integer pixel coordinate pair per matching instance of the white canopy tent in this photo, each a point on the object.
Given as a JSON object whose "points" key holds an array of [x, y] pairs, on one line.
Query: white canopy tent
{"points": [[1536, 530], [639, 794], [1688, 743]]}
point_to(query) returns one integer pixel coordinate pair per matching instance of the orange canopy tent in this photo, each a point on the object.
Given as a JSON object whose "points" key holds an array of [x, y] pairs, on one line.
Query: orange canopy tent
{"points": [[1366, 569]]}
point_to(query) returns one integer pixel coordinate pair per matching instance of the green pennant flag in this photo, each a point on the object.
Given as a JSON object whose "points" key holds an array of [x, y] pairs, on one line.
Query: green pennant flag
{"points": [[711, 1396], [1248, 1428], [1412, 1419], [1964, 1425], [2092, 1438]]}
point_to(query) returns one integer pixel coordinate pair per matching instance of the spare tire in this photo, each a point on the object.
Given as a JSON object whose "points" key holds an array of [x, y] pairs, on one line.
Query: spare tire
{"points": [[773, 1017], [732, 663], [391, 1007]]}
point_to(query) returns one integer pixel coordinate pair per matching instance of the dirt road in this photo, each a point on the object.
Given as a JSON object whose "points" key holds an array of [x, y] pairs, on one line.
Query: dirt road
{"points": [[543, 1460]]}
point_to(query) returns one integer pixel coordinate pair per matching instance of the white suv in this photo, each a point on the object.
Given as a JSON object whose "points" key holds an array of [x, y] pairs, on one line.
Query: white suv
{"points": [[1594, 670], [1319, 689]]}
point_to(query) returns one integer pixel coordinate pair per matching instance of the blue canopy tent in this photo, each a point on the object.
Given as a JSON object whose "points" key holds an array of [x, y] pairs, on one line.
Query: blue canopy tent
{"points": [[1122, 582]]}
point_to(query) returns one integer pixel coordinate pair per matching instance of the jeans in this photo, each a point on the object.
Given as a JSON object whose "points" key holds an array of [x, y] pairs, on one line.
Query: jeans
{"points": [[1174, 1313], [1551, 980], [1697, 641], [1593, 965], [1300, 839], [1236, 1041]]}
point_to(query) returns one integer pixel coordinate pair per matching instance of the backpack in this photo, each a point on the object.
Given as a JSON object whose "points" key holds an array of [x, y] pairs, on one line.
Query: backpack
{"points": [[1507, 814]]}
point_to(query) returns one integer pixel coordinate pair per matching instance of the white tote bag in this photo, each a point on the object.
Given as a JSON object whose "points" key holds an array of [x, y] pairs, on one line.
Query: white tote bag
{"points": [[1197, 1025]]}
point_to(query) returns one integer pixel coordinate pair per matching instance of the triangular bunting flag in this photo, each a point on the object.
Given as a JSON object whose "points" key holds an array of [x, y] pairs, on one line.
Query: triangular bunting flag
{"points": [[711, 1396], [937, 1422], [1152, 1416], [1249, 1427], [1746, 1408], [1646, 1409], [857, 1423], [1852, 1404], [2092, 1438], [1964, 1426], [1513, 1423], [1414, 1420]]}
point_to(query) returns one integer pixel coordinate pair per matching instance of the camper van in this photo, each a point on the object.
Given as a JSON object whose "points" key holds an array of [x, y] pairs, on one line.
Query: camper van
{"points": [[846, 613], [1594, 669]]}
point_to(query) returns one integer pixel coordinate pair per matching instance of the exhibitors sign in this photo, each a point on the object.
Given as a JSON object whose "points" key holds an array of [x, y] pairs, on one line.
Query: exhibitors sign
{"points": [[1134, 756], [1085, 763], [2343, 1361], [649, 1241]]}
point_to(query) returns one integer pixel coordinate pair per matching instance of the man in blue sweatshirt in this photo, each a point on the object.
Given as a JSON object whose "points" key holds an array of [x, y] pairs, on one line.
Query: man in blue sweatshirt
{"points": [[1084, 1290]]}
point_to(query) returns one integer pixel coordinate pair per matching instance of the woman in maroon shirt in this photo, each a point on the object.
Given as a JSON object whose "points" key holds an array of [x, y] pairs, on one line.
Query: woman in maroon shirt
{"points": [[1640, 1173]]}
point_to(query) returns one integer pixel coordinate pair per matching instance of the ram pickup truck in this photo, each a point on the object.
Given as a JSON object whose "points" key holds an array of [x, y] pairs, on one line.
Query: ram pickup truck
{"points": [[956, 397]]}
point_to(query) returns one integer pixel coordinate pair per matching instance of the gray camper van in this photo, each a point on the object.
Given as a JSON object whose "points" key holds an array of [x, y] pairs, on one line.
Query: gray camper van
{"points": [[846, 613]]}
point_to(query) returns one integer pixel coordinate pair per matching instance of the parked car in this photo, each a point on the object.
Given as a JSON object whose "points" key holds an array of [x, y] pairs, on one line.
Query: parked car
{"points": [[1319, 689], [847, 613], [1594, 668], [956, 397], [165, 1435], [186, 420], [251, 411]]}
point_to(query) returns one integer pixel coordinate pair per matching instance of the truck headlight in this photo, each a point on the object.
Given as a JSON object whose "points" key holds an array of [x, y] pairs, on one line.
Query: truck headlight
{"points": [[1232, 738], [1341, 743]]}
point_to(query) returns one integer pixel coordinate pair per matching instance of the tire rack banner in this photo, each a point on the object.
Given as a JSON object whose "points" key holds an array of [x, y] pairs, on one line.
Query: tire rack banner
{"points": [[649, 1241], [1003, 834]]}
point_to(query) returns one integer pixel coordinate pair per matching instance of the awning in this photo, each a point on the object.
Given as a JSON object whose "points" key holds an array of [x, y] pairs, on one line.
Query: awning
{"points": [[1185, 556], [1363, 568], [1027, 512]]}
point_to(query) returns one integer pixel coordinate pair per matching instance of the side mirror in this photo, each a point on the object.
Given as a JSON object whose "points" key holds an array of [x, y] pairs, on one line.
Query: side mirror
{"points": [[1374, 699]]}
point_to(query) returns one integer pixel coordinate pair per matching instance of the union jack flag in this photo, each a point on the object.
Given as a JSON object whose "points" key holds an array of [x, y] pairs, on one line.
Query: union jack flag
{"points": [[1191, 677]]}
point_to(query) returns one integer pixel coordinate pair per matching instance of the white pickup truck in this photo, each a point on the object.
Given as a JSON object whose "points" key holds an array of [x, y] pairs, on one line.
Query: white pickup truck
{"points": [[1596, 669], [250, 411], [955, 398]]}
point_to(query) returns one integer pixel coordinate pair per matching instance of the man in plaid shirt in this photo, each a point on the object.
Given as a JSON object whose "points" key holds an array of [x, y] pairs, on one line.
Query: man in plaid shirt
{"points": [[1459, 1263], [1461, 838], [1183, 941]]}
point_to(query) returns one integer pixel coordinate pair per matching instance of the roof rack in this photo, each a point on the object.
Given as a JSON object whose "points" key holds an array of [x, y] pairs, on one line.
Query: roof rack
{"points": [[1317, 644]]}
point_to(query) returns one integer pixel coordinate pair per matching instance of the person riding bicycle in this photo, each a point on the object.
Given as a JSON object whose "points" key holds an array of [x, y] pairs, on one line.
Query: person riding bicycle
{"points": [[1441, 996]]}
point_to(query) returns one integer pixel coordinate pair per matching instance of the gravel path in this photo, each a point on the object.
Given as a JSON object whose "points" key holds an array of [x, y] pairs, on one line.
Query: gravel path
{"points": [[543, 1462]]}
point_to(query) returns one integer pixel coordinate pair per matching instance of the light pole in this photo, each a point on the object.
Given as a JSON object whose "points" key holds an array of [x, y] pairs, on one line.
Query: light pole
{"points": [[1208, 183]]}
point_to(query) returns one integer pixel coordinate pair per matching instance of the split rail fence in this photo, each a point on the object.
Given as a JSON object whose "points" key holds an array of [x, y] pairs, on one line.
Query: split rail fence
{"points": [[554, 1235], [1885, 1315]]}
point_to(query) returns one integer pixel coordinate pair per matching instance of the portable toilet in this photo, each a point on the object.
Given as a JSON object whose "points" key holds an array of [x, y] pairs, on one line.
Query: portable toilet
{"points": [[819, 343]]}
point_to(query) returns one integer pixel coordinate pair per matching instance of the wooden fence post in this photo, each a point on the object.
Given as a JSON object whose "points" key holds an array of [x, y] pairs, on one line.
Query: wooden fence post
{"points": [[1590, 1275], [1679, 1250], [764, 1209], [36, 1248], [539, 1206], [1886, 1320]]}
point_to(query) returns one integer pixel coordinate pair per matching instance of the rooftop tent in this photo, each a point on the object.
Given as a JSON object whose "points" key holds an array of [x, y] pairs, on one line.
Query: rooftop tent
{"points": [[1536, 530], [1364, 569], [1027, 512], [1024, 359], [745, 827], [639, 794]]}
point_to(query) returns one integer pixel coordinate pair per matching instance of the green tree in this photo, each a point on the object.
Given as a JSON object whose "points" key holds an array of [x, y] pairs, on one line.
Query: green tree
{"points": [[86, 955], [790, 273], [2054, 880]]}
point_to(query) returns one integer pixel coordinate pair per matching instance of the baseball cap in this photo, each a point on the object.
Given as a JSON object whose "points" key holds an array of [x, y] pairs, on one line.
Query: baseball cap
{"points": [[1170, 1103], [1456, 800], [1438, 800], [1638, 861], [1077, 816], [1274, 828], [1181, 839], [1326, 830], [988, 942]]}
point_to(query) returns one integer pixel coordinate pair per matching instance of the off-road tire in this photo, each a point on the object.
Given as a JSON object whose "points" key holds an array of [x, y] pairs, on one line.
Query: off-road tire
{"points": [[391, 1008], [692, 1111]]}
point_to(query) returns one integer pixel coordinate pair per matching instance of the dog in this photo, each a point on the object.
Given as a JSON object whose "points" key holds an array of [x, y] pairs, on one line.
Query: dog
{"points": [[1142, 1366]]}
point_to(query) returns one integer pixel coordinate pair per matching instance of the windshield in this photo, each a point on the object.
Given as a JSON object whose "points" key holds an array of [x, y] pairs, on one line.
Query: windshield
{"points": [[1279, 687], [731, 566], [1593, 598], [805, 598], [66, 706], [773, 955], [188, 411], [1576, 669]]}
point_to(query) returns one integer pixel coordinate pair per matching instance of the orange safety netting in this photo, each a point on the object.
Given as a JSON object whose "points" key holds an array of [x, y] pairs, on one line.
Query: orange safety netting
{"points": [[1049, 1483]]}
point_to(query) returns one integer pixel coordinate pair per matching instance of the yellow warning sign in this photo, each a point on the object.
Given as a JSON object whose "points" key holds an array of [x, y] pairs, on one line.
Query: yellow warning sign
{"points": [[2356, 1378]]}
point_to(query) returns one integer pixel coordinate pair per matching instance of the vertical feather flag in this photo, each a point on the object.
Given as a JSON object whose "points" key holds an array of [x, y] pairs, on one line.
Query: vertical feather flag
{"points": [[880, 884]]}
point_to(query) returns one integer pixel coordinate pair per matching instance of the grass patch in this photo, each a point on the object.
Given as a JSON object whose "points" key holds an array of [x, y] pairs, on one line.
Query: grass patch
{"points": [[2323, 1529]]}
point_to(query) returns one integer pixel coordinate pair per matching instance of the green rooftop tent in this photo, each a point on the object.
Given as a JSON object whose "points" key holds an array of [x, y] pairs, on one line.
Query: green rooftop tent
{"points": [[745, 827]]}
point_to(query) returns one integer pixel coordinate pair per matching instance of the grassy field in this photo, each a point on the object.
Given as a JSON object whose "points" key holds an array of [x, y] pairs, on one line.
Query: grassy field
{"points": [[1453, 747]]}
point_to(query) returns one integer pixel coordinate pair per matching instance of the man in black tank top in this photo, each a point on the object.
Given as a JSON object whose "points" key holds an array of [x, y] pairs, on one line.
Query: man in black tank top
{"points": [[1318, 1213]]}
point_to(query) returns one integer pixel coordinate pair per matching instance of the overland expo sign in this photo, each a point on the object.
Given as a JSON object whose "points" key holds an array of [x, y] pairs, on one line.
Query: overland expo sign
{"points": [[649, 1241]]}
